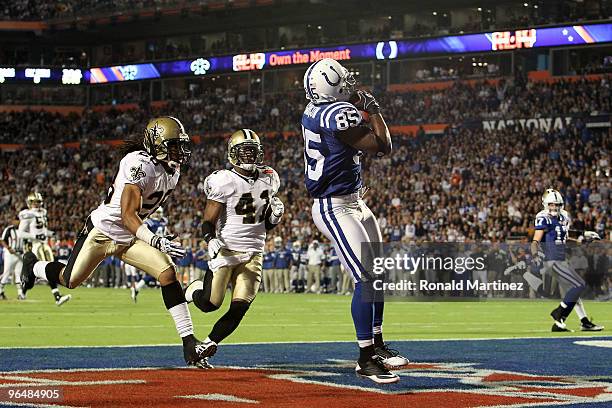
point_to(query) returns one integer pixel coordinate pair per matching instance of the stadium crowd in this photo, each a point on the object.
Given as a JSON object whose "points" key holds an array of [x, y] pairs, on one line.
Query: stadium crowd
{"points": [[220, 110], [465, 185]]}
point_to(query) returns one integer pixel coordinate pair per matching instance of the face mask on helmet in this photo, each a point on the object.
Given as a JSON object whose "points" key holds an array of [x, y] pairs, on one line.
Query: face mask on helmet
{"points": [[247, 155], [178, 151]]}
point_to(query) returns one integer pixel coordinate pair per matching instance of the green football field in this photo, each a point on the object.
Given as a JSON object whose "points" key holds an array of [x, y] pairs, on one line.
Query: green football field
{"points": [[108, 317]]}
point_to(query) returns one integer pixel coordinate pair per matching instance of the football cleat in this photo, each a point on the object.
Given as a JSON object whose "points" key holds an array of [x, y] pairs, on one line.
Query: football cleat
{"points": [[63, 300], [560, 327], [391, 358], [559, 318], [192, 287], [375, 370], [587, 325], [2, 296], [134, 294], [204, 364], [195, 351], [21, 297]]}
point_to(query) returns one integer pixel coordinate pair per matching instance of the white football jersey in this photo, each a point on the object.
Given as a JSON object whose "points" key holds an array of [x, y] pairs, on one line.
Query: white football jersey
{"points": [[33, 224], [242, 226], [155, 183]]}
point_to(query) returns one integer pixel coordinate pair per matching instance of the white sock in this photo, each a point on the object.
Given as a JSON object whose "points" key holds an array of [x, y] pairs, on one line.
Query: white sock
{"points": [[141, 284], [365, 343], [39, 269], [55, 290], [579, 308], [208, 340], [182, 319]]}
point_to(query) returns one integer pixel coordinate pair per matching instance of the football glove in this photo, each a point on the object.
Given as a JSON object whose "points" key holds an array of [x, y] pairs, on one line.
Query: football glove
{"points": [[278, 209], [214, 246], [589, 236], [367, 102], [167, 246], [538, 259]]}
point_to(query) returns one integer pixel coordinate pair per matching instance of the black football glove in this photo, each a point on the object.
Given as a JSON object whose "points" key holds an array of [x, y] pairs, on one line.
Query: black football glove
{"points": [[366, 102]]}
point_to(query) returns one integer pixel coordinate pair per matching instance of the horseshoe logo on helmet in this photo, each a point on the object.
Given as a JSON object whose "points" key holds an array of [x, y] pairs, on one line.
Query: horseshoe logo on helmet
{"points": [[327, 78]]}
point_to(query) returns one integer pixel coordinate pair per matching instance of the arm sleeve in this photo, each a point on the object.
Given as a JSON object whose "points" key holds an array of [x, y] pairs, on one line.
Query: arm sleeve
{"points": [[24, 226], [218, 188], [340, 116], [5, 235]]}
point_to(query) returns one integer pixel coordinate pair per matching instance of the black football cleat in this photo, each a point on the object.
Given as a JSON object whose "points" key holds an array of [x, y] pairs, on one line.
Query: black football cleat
{"points": [[559, 317], [391, 358], [560, 328], [587, 325], [195, 351], [375, 370], [2, 296], [204, 364], [27, 272]]}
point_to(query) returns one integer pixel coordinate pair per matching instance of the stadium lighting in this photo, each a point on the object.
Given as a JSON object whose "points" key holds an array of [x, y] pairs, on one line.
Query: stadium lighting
{"points": [[435, 13], [479, 9]]}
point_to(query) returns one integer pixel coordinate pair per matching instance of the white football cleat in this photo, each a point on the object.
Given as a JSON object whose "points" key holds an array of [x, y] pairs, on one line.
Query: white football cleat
{"points": [[391, 358], [63, 300]]}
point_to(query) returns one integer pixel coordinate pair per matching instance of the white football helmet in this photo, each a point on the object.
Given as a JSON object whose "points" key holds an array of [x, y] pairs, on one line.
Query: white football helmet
{"points": [[158, 214], [552, 196], [328, 81]]}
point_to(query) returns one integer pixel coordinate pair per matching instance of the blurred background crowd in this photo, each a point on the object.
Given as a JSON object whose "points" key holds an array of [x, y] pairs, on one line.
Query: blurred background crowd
{"points": [[467, 184]]}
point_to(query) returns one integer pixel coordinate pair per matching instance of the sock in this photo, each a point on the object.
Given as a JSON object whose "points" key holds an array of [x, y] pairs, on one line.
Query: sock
{"points": [[580, 310], [56, 294], [52, 272], [174, 299], [182, 319], [1, 287], [39, 269], [229, 321], [366, 353], [363, 317], [19, 290], [141, 284], [378, 337]]}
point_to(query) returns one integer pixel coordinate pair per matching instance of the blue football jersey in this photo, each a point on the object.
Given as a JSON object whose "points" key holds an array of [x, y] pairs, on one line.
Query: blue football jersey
{"points": [[555, 230], [158, 227], [332, 167]]}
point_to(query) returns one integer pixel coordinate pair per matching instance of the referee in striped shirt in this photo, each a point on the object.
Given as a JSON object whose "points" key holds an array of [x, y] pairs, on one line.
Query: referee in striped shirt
{"points": [[12, 253]]}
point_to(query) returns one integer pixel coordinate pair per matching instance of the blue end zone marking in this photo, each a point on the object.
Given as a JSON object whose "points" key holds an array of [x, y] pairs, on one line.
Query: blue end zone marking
{"points": [[556, 356]]}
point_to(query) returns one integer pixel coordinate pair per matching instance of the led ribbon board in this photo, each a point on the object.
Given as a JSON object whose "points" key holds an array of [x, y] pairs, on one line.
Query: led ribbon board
{"points": [[382, 50]]}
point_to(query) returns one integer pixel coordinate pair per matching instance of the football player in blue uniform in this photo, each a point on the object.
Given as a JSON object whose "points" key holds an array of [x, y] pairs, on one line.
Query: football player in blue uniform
{"points": [[548, 250], [297, 279], [335, 135]]}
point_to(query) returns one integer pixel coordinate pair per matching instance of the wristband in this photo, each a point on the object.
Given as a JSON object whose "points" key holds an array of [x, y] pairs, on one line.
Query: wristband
{"points": [[143, 233]]}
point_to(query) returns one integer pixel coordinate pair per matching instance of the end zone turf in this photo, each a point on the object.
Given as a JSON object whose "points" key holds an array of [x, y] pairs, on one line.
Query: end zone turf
{"points": [[484, 373]]}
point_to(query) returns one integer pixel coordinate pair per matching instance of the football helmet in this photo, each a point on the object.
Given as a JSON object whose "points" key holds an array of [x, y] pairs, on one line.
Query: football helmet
{"points": [[166, 140], [34, 200], [244, 150], [328, 81], [158, 214], [552, 200]]}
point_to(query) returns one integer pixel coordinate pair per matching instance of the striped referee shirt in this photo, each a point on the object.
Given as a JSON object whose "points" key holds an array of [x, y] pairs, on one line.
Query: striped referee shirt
{"points": [[9, 235]]}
